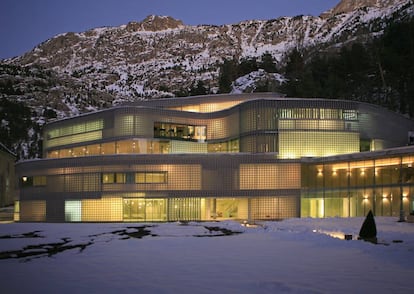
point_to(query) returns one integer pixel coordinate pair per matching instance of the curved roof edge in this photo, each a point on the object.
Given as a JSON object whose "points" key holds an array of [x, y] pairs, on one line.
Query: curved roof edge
{"points": [[164, 103]]}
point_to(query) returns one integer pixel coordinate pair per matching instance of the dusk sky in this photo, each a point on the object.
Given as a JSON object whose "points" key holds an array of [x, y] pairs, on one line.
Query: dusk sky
{"points": [[26, 23]]}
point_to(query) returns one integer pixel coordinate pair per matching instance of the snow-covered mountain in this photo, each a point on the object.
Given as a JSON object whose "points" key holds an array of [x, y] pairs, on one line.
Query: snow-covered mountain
{"points": [[160, 56]]}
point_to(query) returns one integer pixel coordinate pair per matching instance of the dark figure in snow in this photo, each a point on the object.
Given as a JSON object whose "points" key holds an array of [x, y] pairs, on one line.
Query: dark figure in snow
{"points": [[368, 230]]}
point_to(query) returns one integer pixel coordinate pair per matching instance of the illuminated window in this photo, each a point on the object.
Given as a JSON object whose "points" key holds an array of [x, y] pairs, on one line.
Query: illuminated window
{"points": [[108, 178], [73, 210], [114, 178], [228, 146], [350, 114], [151, 177], [16, 206], [76, 129], [144, 209], [108, 148], [179, 131], [138, 178]]}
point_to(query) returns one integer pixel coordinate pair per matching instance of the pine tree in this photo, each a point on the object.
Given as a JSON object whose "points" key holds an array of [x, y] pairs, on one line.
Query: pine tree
{"points": [[368, 230]]}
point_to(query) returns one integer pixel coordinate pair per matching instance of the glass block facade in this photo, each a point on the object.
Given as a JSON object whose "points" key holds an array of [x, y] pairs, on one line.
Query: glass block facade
{"points": [[347, 186], [243, 157]]}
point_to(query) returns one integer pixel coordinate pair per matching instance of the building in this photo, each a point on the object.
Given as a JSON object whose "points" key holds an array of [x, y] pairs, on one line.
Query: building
{"points": [[7, 176], [243, 157]]}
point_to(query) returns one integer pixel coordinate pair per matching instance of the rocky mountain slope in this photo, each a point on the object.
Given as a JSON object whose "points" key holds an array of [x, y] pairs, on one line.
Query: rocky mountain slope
{"points": [[161, 57]]}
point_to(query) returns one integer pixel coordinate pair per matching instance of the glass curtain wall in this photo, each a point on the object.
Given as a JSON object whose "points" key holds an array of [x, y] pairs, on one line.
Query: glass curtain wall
{"points": [[141, 209], [350, 189]]}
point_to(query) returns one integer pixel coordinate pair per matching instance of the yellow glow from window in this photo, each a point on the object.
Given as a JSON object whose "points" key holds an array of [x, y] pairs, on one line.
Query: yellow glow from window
{"points": [[39, 181], [321, 207], [363, 165], [78, 128], [105, 209], [84, 137], [289, 156], [318, 143], [269, 176], [207, 107], [387, 162]]}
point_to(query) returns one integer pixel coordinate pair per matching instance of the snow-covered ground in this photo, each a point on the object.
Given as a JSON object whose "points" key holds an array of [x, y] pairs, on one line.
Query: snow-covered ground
{"points": [[291, 256]]}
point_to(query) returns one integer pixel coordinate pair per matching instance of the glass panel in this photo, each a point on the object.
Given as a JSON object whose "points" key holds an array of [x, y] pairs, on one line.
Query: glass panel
{"points": [[120, 178], [184, 209], [150, 177], [108, 148], [136, 209], [73, 211], [108, 178], [140, 178], [105, 209], [227, 208], [94, 149], [179, 131], [76, 138], [156, 178]]}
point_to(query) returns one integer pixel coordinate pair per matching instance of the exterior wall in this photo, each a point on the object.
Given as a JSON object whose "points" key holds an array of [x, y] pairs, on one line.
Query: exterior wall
{"points": [[350, 187], [105, 209], [259, 125], [296, 144], [293, 128], [383, 128], [269, 176], [7, 179], [255, 156], [195, 187], [188, 147], [33, 211]]}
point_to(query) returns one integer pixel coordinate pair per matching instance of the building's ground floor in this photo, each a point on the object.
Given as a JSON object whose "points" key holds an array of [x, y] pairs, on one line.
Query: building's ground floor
{"points": [[251, 187], [384, 201], [357, 202], [130, 209]]}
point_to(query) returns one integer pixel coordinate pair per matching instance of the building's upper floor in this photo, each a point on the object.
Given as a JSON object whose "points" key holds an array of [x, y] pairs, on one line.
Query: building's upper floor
{"points": [[253, 123]]}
